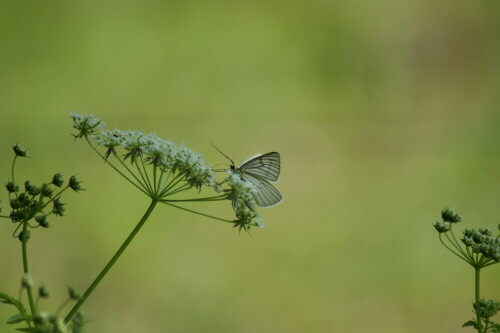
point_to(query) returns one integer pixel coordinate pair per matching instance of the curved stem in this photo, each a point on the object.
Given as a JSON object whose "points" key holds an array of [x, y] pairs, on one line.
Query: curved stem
{"points": [[145, 173], [124, 165], [25, 268], [199, 213], [57, 195], [181, 188], [110, 264], [175, 180], [449, 248], [453, 242], [115, 168], [163, 184], [457, 244], [160, 180], [214, 198], [155, 185], [13, 168], [63, 305], [145, 180], [470, 255], [490, 263]]}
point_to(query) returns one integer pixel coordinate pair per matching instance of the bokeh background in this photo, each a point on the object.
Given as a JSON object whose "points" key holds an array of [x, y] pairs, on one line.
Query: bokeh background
{"points": [[384, 112]]}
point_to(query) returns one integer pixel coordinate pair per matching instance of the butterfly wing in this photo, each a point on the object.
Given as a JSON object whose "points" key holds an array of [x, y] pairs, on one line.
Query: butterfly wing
{"points": [[265, 166], [266, 195]]}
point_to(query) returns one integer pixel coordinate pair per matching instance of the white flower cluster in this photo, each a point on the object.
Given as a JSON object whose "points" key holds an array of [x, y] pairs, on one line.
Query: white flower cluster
{"points": [[87, 124], [149, 148], [241, 189], [243, 201], [160, 152]]}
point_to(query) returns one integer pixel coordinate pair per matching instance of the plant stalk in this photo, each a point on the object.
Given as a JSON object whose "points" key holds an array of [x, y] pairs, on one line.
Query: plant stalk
{"points": [[477, 293], [110, 264], [25, 268]]}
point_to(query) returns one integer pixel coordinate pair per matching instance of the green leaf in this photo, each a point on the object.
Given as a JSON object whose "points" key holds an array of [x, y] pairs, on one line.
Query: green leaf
{"points": [[471, 323], [17, 318], [29, 330], [11, 300]]}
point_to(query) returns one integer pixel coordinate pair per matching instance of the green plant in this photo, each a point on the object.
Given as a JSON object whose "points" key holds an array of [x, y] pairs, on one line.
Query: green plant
{"points": [[167, 173], [480, 249]]}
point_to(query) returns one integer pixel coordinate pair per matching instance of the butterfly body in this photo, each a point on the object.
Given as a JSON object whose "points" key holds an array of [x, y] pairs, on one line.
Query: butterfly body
{"points": [[261, 170]]}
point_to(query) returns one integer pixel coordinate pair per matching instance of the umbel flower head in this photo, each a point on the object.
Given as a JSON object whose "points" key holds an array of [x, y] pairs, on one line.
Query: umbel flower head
{"points": [[32, 204], [164, 170], [482, 247]]}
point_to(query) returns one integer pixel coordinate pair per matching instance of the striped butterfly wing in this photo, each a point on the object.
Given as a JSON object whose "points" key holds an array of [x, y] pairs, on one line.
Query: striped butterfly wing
{"points": [[266, 195], [265, 166]]}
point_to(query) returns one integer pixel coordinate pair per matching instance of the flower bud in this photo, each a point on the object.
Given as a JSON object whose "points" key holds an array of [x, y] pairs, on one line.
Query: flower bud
{"points": [[11, 187], [468, 241], [42, 318], [58, 207], [42, 292], [26, 281], [20, 150], [46, 191], [15, 203], [57, 180], [31, 189], [42, 221], [449, 215], [24, 199], [21, 234], [442, 226], [485, 231], [16, 216], [74, 183], [73, 294]]}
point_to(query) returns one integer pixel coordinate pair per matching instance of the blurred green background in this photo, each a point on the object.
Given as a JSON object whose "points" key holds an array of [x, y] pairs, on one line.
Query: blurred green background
{"points": [[384, 112]]}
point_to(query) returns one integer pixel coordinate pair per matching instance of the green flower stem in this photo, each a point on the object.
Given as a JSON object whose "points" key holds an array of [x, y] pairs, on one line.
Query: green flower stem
{"points": [[215, 198], [163, 184], [160, 179], [146, 183], [115, 168], [483, 260], [470, 254], [199, 213], [59, 309], [15, 231], [175, 180], [25, 268], [456, 242], [453, 251], [181, 188], [110, 264], [122, 162], [58, 194], [457, 246], [13, 168], [154, 180], [477, 292], [490, 263], [147, 180]]}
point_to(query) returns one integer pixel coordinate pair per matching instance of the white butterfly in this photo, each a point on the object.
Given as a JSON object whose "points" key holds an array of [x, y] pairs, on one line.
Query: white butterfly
{"points": [[261, 170]]}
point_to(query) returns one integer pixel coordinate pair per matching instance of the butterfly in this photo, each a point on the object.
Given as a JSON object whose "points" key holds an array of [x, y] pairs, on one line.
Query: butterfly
{"points": [[261, 170]]}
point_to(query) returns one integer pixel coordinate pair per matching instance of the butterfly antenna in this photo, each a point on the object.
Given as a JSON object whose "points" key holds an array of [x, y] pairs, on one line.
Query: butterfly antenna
{"points": [[219, 170], [222, 153]]}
